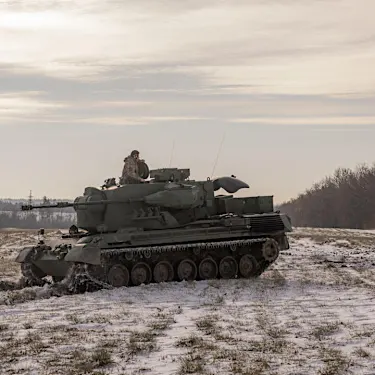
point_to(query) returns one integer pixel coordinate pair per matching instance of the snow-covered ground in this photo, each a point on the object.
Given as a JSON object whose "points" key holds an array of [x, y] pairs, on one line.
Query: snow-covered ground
{"points": [[313, 312]]}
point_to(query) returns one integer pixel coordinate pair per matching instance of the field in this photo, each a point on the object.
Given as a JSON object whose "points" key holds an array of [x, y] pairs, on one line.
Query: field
{"points": [[313, 312]]}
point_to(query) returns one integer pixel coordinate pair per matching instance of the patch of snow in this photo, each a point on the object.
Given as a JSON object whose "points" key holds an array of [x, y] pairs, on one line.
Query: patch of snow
{"points": [[312, 311]]}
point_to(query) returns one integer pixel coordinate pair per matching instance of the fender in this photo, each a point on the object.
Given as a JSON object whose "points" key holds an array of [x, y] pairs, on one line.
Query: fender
{"points": [[287, 222], [22, 255], [85, 253]]}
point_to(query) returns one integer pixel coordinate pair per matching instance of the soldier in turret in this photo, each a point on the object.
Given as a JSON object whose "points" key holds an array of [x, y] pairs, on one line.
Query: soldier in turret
{"points": [[130, 173]]}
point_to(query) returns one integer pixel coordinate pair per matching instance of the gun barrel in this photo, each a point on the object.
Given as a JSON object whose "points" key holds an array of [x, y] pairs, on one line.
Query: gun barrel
{"points": [[29, 207]]}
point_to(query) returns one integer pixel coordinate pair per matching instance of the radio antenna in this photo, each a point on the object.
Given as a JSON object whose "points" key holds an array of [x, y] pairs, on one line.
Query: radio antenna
{"points": [[170, 160], [218, 153]]}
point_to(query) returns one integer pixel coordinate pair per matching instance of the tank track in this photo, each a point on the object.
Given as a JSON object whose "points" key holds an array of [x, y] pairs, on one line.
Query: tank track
{"points": [[246, 258]]}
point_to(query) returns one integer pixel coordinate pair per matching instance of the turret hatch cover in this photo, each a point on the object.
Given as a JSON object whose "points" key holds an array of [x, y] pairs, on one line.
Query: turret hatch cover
{"points": [[143, 170], [229, 184]]}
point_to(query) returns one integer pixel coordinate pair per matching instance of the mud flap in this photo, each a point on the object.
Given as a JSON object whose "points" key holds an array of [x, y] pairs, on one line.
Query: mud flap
{"points": [[284, 243], [287, 222], [22, 255], [84, 254]]}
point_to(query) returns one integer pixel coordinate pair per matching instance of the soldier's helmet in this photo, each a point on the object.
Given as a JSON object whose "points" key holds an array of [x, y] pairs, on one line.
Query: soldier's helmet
{"points": [[134, 152]]}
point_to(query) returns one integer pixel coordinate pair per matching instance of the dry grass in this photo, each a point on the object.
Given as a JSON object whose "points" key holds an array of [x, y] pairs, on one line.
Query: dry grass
{"points": [[322, 331], [335, 363]]}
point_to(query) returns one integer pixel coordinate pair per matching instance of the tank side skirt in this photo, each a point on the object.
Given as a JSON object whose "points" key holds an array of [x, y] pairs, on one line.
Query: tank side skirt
{"points": [[180, 247], [169, 239]]}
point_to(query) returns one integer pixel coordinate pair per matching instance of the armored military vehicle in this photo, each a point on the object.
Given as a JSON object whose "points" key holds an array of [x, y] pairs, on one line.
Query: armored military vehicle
{"points": [[167, 228]]}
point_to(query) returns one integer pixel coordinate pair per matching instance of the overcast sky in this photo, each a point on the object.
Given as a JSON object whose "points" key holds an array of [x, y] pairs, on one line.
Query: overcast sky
{"points": [[288, 86]]}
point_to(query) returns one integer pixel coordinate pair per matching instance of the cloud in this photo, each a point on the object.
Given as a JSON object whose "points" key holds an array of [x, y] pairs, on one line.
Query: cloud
{"points": [[138, 120], [13, 105], [130, 62], [351, 121], [265, 70], [143, 96], [222, 43]]}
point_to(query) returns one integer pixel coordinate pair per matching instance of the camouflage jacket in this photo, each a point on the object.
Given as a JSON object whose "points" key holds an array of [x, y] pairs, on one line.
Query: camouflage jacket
{"points": [[130, 170]]}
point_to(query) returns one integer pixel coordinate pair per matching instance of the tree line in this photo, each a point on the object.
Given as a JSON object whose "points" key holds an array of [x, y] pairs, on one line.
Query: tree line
{"points": [[344, 200], [11, 215], [34, 221]]}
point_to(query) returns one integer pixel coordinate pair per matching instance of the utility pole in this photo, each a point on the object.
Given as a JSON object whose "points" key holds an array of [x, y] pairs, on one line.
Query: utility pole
{"points": [[30, 198]]}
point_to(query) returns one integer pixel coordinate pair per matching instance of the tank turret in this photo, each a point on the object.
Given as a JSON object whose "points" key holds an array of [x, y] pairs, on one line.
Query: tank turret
{"points": [[169, 227]]}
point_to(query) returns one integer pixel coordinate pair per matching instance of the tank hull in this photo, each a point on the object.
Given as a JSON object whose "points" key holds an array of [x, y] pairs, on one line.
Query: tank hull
{"points": [[235, 247]]}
